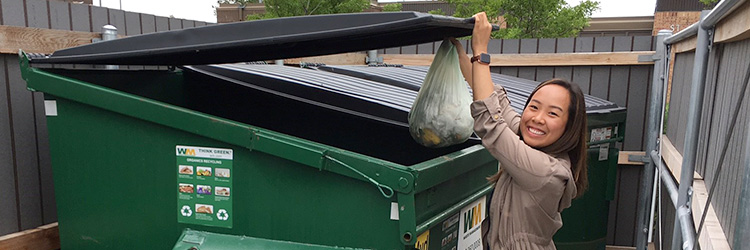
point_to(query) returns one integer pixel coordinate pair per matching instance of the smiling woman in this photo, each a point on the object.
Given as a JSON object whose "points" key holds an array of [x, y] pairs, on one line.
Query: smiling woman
{"points": [[541, 154]]}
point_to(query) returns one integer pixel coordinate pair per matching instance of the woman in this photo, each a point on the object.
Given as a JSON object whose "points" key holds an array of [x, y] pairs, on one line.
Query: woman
{"points": [[541, 153]]}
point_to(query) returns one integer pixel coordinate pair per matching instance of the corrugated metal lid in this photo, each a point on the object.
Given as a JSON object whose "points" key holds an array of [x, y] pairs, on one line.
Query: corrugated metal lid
{"points": [[411, 77], [268, 39]]}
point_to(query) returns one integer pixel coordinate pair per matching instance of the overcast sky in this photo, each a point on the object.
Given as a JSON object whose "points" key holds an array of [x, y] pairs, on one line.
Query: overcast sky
{"points": [[202, 10]]}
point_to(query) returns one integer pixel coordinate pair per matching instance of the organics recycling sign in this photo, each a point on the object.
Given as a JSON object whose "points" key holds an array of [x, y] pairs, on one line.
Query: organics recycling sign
{"points": [[204, 185]]}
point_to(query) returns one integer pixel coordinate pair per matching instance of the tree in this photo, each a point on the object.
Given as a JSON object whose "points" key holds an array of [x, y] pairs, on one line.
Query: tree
{"points": [[240, 2], [437, 12], [285, 8], [531, 18], [391, 7]]}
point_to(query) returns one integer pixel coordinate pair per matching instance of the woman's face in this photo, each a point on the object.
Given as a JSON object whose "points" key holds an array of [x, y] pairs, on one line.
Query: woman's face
{"points": [[543, 120]]}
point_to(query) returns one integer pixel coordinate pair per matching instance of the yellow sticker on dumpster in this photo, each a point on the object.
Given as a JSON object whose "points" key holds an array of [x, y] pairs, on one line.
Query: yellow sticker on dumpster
{"points": [[423, 241], [204, 186]]}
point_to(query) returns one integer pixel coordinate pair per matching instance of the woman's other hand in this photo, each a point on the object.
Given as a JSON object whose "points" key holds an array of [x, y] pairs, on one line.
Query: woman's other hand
{"points": [[463, 60]]}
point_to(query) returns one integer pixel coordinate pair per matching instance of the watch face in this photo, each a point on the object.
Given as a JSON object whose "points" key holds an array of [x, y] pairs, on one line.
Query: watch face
{"points": [[484, 58]]}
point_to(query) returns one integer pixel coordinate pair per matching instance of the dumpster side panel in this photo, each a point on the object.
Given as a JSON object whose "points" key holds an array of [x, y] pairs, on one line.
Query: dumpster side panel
{"points": [[116, 188]]}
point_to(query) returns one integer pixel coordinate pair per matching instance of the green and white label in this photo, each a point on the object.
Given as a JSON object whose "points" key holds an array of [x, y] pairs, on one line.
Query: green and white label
{"points": [[204, 185]]}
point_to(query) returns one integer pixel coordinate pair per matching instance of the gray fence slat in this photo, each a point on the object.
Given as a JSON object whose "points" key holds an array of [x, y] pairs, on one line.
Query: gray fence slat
{"points": [[8, 212], [148, 23], [99, 18], [545, 73], [618, 85], [187, 24], [528, 45], [396, 50], [612, 215], [566, 45], [564, 73], [49, 212], [412, 49], [582, 76], [510, 46], [623, 43], [603, 44], [600, 81], [640, 78], [36, 14], [161, 23], [117, 18], [511, 71], [494, 47], [642, 43], [132, 24], [627, 203], [13, 13], [175, 24], [547, 45], [684, 103], [27, 164], [425, 48], [59, 15], [527, 73], [584, 44], [81, 20], [200, 24]]}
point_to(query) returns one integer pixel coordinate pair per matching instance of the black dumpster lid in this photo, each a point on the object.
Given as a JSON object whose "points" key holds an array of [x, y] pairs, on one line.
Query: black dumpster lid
{"points": [[411, 77], [268, 39]]}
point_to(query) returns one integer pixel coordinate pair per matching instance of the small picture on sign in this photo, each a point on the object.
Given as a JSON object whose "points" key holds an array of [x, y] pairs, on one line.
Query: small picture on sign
{"points": [[222, 191], [186, 188], [204, 209], [204, 189], [204, 171], [222, 172], [185, 169]]}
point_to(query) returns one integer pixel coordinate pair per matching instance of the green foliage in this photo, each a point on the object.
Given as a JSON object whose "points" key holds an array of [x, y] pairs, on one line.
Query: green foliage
{"points": [[531, 18], [437, 12], [240, 2], [286, 8], [709, 3], [393, 7]]}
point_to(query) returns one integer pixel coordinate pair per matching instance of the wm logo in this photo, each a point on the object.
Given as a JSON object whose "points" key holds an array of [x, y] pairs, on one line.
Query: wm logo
{"points": [[472, 217], [186, 151]]}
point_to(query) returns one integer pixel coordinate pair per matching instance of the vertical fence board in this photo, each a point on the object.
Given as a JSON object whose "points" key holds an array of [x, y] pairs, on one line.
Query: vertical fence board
{"points": [[59, 15], [409, 50], [81, 20], [493, 47], [22, 112], [584, 44], [511, 71], [47, 189], [36, 14], [8, 212], [117, 19], [623, 43], [642, 43], [546, 45], [425, 48], [161, 23], [132, 24], [13, 13], [510, 46], [564, 73], [566, 45], [528, 45], [618, 87], [627, 203], [599, 81], [148, 23], [187, 23], [544, 73], [603, 44], [637, 100], [582, 76], [99, 18], [527, 73], [175, 24]]}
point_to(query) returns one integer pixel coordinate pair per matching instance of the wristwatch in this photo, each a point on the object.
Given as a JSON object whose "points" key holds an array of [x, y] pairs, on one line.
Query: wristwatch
{"points": [[483, 58]]}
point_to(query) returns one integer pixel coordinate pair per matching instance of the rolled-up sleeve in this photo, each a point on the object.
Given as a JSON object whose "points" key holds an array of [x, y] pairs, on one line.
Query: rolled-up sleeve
{"points": [[529, 168]]}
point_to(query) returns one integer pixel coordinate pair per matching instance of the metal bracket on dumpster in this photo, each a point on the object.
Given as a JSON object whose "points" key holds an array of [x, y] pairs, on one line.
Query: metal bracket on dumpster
{"points": [[385, 190]]}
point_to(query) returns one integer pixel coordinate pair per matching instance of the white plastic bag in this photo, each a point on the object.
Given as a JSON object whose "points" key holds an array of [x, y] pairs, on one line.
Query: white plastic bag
{"points": [[440, 115]]}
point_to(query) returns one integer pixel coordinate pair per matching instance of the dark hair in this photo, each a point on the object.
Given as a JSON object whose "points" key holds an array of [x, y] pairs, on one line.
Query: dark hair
{"points": [[573, 139]]}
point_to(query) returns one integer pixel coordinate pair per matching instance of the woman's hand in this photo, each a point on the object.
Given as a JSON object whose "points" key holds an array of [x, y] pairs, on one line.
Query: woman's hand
{"points": [[480, 36], [463, 60]]}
